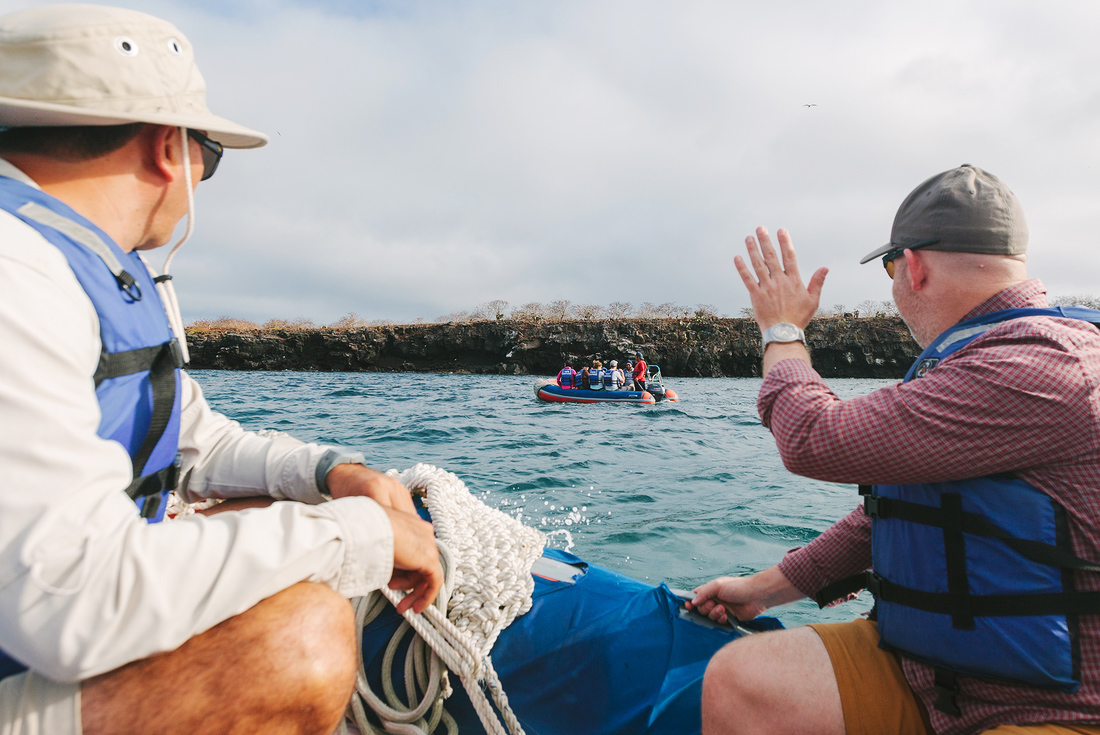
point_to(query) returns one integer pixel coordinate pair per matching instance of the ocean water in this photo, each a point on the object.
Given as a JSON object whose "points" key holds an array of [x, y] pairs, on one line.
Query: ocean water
{"points": [[677, 492]]}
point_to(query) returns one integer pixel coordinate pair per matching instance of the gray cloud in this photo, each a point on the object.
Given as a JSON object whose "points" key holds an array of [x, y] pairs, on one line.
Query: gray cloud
{"points": [[427, 157]]}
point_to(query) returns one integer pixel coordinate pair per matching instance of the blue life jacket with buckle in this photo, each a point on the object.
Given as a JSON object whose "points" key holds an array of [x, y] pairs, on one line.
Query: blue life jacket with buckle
{"points": [[566, 377], [975, 576], [595, 378], [138, 377], [608, 378]]}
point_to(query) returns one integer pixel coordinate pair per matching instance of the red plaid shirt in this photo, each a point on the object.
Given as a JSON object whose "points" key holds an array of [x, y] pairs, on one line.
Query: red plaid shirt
{"points": [[1022, 398]]}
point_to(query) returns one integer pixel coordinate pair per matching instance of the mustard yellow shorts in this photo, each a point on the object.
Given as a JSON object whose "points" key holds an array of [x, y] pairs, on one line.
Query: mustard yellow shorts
{"points": [[31, 704], [875, 696]]}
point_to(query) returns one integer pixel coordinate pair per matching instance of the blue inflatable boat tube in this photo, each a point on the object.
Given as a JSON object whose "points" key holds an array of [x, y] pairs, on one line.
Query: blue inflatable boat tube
{"points": [[599, 653], [554, 394]]}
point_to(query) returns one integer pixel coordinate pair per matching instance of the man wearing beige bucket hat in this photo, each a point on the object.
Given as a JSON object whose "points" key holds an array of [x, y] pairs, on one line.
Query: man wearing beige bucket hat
{"points": [[979, 534], [111, 621]]}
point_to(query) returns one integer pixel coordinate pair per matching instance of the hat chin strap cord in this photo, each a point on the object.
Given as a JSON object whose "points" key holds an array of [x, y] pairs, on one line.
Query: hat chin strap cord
{"points": [[164, 281]]}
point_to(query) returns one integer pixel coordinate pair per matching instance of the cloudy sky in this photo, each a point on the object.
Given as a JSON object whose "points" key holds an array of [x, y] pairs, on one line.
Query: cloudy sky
{"points": [[427, 157]]}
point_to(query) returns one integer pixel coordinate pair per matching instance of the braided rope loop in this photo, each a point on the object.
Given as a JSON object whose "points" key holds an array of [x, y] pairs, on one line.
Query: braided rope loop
{"points": [[487, 558]]}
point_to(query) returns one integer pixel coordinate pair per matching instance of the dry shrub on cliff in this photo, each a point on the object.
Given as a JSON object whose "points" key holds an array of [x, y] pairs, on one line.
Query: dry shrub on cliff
{"points": [[491, 311], [351, 320], [529, 312], [647, 311], [876, 308], [836, 310], [620, 310], [669, 310], [300, 324], [558, 311], [453, 317], [589, 312], [222, 324]]}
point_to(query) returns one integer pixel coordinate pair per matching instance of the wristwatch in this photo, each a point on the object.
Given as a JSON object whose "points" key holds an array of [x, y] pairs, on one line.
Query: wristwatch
{"points": [[330, 459], [783, 332]]}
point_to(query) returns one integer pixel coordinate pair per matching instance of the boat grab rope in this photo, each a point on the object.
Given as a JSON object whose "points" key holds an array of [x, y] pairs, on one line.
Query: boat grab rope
{"points": [[487, 558]]}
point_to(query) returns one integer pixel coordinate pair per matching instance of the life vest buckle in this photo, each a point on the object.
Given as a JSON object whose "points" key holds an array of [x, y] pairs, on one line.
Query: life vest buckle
{"points": [[175, 351], [171, 478], [871, 506], [874, 584], [129, 285], [150, 506], [947, 691]]}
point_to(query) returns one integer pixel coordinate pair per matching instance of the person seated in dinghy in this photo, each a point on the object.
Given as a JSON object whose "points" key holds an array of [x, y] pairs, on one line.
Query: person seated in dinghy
{"points": [[595, 376], [582, 378], [979, 534], [628, 376], [112, 621], [613, 378], [567, 377]]}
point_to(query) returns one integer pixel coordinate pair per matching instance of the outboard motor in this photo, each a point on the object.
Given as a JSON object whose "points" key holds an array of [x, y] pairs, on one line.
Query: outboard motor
{"points": [[656, 386]]}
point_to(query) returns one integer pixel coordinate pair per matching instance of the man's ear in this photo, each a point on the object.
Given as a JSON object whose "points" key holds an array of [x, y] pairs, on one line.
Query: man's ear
{"points": [[163, 153], [915, 270]]}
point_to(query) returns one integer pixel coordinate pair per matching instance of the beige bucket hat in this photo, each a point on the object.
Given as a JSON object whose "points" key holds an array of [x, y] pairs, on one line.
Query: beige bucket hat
{"points": [[95, 65]]}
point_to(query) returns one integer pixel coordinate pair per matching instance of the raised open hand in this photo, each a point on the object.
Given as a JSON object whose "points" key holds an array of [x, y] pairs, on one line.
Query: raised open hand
{"points": [[776, 291]]}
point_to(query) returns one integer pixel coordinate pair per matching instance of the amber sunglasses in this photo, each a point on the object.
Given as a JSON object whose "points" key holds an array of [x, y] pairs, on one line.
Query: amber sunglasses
{"points": [[894, 253]]}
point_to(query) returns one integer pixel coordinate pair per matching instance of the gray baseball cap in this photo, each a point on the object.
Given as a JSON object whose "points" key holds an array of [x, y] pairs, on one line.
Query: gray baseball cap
{"points": [[964, 210], [95, 65]]}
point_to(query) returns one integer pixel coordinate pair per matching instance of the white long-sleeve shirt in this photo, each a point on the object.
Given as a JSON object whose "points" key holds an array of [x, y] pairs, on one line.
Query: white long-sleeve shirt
{"points": [[86, 585]]}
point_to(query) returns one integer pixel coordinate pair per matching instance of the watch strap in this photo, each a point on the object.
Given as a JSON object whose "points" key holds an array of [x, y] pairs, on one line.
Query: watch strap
{"points": [[769, 335], [330, 459]]}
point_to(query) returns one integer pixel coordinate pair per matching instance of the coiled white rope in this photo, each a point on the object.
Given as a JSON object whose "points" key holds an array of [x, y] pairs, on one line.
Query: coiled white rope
{"points": [[487, 558]]}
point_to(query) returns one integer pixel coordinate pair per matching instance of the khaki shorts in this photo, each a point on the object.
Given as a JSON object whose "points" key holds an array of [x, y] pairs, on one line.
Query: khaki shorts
{"points": [[31, 704], [875, 696]]}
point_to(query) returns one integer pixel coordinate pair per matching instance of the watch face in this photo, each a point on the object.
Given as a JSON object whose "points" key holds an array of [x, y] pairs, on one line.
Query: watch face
{"points": [[784, 332]]}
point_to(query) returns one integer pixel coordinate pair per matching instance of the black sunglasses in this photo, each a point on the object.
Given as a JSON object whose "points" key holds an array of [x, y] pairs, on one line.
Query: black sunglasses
{"points": [[211, 153], [893, 253]]}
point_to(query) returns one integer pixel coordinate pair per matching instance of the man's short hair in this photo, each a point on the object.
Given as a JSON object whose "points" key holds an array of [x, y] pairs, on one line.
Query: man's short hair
{"points": [[68, 143]]}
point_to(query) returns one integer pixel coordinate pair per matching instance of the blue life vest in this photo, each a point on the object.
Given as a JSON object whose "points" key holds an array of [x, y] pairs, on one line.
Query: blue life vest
{"points": [[565, 377], [137, 380], [609, 378], [975, 576], [595, 378]]}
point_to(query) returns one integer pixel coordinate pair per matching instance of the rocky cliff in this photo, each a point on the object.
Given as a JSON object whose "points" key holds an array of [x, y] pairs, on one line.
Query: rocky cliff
{"points": [[879, 347]]}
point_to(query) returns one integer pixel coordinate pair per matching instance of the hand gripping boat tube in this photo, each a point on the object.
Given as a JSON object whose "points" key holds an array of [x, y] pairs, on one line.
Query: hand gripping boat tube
{"points": [[598, 653]]}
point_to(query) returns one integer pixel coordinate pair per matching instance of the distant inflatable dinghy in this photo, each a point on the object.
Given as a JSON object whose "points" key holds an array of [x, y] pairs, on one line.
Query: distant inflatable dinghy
{"points": [[547, 389]]}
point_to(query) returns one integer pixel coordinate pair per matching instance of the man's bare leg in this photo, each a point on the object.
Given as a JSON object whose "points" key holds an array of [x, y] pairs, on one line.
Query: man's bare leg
{"points": [[779, 682], [286, 665]]}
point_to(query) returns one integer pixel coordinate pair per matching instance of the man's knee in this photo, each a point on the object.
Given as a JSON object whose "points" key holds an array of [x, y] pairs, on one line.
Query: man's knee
{"points": [[306, 637], [748, 685], [730, 674], [287, 664]]}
